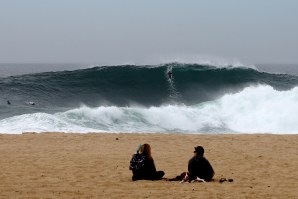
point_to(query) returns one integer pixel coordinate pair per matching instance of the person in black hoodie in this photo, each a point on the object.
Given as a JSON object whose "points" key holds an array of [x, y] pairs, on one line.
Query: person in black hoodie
{"points": [[148, 170], [199, 166]]}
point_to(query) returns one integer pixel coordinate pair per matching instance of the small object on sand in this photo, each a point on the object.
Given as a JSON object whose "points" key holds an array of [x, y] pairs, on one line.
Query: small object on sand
{"points": [[222, 180], [8, 102], [198, 180], [117, 138]]}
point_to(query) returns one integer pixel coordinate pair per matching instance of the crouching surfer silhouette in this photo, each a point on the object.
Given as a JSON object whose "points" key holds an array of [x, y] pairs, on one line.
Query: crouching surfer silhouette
{"points": [[170, 73]]}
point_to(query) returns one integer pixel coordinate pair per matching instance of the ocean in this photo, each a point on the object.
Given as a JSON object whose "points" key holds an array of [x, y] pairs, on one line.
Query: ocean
{"points": [[198, 99]]}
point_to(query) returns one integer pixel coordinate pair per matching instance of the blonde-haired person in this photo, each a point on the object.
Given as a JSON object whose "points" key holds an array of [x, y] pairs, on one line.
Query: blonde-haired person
{"points": [[147, 171]]}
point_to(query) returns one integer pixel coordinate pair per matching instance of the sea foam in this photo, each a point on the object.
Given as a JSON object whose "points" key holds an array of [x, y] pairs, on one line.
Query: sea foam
{"points": [[255, 109]]}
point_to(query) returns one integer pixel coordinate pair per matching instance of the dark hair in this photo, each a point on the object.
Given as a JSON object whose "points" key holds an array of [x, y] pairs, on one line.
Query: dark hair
{"points": [[146, 150], [199, 150]]}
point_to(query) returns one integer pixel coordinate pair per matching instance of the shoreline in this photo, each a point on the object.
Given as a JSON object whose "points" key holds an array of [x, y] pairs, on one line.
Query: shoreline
{"points": [[145, 133], [95, 165]]}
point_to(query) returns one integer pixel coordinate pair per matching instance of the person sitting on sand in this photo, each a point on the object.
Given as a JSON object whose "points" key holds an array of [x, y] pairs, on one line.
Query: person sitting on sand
{"points": [[146, 168], [199, 166], [199, 169]]}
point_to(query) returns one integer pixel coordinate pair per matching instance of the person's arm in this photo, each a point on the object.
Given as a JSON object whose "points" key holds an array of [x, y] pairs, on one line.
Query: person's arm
{"points": [[151, 166], [191, 169], [209, 169]]}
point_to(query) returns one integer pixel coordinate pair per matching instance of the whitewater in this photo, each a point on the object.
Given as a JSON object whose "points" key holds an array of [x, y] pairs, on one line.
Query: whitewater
{"points": [[200, 99]]}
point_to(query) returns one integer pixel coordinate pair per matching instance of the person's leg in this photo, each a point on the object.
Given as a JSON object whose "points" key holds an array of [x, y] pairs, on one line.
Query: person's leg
{"points": [[160, 174], [134, 178]]}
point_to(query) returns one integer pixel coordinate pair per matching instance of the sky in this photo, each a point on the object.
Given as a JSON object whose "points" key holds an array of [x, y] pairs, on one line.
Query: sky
{"points": [[140, 31]]}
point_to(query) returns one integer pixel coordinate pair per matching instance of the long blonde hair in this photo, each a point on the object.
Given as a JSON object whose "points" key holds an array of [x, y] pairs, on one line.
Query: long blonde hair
{"points": [[146, 150]]}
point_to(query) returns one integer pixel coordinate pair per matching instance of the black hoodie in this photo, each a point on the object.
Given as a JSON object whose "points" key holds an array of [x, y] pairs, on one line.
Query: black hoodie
{"points": [[199, 166]]}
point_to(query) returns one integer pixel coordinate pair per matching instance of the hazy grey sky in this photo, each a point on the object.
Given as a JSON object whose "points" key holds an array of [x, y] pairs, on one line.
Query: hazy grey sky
{"points": [[121, 31]]}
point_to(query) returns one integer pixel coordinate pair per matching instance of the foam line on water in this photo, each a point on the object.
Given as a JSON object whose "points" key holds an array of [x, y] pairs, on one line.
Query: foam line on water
{"points": [[256, 109]]}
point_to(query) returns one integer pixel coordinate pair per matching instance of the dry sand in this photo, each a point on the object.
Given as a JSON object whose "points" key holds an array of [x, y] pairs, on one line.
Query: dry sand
{"points": [[95, 165]]}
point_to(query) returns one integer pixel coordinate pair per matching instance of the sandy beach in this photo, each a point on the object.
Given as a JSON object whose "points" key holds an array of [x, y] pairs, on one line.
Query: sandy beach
{"points": [[95, 165]]}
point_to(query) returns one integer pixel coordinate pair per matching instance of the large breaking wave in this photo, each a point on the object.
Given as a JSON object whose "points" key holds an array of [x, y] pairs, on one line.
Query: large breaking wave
{"points": [[130, 98]]}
